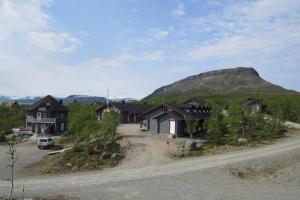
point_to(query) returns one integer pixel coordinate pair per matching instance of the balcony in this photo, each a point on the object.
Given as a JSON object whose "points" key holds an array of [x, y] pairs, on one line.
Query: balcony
{"points": [[40, 120]]}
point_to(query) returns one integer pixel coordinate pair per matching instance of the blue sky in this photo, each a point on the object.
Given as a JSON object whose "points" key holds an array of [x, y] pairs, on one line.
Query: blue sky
{"points": [[64, 47]]}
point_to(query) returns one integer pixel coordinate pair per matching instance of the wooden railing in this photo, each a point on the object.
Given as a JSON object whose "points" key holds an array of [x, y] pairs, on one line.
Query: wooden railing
{"points": [[41, 120]]}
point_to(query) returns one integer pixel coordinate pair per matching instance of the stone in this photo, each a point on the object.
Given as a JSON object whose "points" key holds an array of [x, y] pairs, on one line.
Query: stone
{"points": [[190, 145], [117, 156], [242, 140], [171, 136], [199, 145], [193, 145], [106, 155]]}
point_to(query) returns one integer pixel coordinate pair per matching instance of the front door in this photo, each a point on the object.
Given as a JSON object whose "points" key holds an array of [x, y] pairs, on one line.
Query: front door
{"points": [[172, 127]]}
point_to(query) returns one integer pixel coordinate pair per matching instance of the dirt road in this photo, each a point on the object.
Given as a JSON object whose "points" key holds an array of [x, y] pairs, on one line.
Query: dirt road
{"points": [[196, 178]]}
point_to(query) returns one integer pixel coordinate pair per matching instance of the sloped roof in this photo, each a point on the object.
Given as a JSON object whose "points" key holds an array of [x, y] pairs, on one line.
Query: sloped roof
{"points": [[179, 111], [170, 113], [49, 102], [129, 107], [191, 115]]}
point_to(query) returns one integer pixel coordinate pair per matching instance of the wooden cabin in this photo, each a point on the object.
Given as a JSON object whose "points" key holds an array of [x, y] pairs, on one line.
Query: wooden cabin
{"points": [[47, 116]]}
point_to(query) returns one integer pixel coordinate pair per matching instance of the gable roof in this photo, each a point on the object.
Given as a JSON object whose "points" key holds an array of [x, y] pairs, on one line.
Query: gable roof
{"points": [[49, 102], [128, 107], [191, 115], [170, 113]]}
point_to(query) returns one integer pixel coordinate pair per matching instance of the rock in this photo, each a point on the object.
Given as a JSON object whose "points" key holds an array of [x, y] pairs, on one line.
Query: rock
{"points": [[171, 136], [193, 145], [190, 145], [106, 155], [199, 145], [117, 156], [242, 140]]}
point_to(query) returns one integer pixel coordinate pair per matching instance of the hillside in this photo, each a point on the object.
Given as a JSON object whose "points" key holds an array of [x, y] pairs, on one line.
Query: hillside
{"points": [[234, 81]]}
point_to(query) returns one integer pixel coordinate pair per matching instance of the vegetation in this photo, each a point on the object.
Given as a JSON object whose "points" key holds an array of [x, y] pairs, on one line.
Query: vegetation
{"points": [[10, 117], [89, 138], [215, 126], [191, 126], [286, 107], [88, 134]]}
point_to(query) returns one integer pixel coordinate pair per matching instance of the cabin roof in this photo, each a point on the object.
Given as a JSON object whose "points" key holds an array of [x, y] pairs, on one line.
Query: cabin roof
{"points": [[50, 102], [173, 114], [128, 107]]}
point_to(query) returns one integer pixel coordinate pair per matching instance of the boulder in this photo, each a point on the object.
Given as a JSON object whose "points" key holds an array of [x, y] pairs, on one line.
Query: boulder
{"points": [[171, 136], [193, 145], [106, 155], [117, 156], [199, 145], [242, 140], [190, 145]]}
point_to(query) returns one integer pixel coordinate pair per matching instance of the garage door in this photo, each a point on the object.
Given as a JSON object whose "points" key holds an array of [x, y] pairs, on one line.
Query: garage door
{"points": [[172, 127]]}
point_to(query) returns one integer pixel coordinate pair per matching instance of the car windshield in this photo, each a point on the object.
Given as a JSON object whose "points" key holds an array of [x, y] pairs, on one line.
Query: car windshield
{"points": [[43, 140]]}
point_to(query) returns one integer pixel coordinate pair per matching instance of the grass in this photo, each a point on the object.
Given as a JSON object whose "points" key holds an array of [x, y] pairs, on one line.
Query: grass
{"points": [[70, 162], [80, 158], [252, 174], [230, 144]]}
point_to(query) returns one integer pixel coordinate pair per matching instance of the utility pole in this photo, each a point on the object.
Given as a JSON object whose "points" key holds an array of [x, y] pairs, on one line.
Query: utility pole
{"points": [[107, 99]]}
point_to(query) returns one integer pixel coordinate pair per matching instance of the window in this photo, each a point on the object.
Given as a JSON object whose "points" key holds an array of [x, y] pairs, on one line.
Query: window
{"points": [[39, 115]]}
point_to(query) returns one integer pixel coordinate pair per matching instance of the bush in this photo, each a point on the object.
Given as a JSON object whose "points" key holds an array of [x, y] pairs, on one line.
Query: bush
{"points": [[89, 148], [77, 148]]}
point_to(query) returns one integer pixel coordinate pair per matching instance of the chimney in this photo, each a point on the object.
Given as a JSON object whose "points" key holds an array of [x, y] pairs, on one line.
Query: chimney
{"points": [[61, 101], [123, 101]]}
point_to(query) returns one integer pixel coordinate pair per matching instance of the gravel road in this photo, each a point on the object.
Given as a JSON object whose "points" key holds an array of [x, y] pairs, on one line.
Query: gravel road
{"points": [[195, 178], [27, 154]]}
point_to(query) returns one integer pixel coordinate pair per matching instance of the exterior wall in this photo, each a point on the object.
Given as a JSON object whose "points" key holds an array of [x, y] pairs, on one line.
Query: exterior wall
{"points": [[152, 123], [125, 117], [164, 124], [59, 126]]}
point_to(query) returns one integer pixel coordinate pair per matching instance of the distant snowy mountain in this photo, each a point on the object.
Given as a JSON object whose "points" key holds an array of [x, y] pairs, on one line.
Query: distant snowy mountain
{"points": [[67, 100], [5, 98]]}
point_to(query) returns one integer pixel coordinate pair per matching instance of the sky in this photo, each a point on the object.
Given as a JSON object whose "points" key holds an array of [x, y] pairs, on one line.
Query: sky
{"points": [[132, 47]]}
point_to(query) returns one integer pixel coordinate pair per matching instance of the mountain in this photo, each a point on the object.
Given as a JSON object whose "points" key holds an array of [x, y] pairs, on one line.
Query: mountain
{"points": [[83, 99], [27, 100], [233, 81], [70, 99], [5, 98], [21, 101]]}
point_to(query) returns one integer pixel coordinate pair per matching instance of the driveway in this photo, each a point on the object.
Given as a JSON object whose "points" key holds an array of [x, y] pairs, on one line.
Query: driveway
{"points": [[27, 154], [143, 149]]}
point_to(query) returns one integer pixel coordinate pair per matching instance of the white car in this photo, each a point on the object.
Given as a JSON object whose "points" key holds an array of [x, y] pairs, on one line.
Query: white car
{"points": [[45, 142]]}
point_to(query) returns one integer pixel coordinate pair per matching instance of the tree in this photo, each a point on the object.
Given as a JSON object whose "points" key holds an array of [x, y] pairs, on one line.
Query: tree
{"points": [[215, 125], [234, 120], [191, 126], [12, 142], [107, 135]]}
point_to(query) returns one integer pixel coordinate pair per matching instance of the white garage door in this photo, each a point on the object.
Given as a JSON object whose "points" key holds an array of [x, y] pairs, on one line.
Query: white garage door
{"points": [[172, 127]]}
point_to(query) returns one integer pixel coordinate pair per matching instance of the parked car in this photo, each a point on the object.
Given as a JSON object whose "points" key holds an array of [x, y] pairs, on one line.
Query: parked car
{"points": [[45, 142]]}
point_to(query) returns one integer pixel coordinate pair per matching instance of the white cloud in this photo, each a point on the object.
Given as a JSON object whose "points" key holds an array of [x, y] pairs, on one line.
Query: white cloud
{"points": [[160, 33], [118, 73], [179, 10], [246, 32], [22, 16], [28, 19], [56, 42]]}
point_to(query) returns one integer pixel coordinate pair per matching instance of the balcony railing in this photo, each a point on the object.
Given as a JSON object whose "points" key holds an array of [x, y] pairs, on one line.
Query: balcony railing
{"points": [[41, 120]]}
